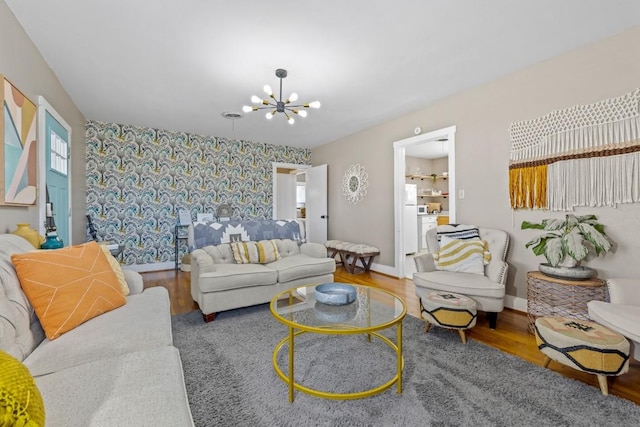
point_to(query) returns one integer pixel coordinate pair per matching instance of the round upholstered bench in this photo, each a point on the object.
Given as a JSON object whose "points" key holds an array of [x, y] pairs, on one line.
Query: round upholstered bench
{"points": [[583, 345], [449, 310]]}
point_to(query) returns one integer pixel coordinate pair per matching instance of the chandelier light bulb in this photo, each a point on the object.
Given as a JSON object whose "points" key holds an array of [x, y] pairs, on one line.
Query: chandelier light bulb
{"points": [[256, 100], [293, 97], [301, 113], [269, 115], [267, 90], [291, 120], [314, 104], [247, 108]]}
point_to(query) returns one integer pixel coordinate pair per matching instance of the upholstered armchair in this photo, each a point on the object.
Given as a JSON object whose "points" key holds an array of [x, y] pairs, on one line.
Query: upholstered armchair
{"points": [[486, 290], [622, 314]]}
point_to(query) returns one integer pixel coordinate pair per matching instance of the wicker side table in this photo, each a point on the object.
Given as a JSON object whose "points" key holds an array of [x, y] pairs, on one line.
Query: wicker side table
{"points": [[551, 297]]}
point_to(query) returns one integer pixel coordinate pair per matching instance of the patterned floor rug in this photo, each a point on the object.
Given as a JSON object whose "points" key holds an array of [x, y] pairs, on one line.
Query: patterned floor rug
{"points": [[230, 380]]}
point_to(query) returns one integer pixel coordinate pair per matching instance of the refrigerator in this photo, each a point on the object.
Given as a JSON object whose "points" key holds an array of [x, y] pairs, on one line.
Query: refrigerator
{"points": [[410, 219]]}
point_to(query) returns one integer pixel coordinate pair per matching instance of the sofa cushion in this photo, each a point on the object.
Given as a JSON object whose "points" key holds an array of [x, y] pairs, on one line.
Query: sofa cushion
{"points": [[144, 388], [288, 247], [461, 283], [68, 286], [301, 266], [619, 317], [20, 400], [20, 330], [234, 276], [143, 323], [255, 252]]}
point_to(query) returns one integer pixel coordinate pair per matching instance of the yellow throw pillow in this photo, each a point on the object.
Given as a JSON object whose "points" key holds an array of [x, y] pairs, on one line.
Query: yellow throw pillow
{"points": [[68, 286], [115, 265], [260, 252], [20, 401], [462, 256]]}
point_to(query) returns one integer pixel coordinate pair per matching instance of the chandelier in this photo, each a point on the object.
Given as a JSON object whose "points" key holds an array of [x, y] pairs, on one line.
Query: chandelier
{"points": [[278, 105]]}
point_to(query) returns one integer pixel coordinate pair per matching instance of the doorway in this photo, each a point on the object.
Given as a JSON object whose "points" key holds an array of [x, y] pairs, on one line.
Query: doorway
{"points": [[415, 144], [287, 177]]}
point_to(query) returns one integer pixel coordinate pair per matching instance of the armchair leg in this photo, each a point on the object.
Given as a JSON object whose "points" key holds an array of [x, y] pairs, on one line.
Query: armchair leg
{"points": [[493, 319]]}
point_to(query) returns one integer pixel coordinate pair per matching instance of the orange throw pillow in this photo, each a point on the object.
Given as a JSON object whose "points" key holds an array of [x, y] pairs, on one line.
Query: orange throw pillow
{"points": [[68, 286]]}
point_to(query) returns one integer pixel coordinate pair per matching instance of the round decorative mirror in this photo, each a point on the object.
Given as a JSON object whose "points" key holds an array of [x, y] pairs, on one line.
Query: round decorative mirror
{"points": [[354, 184]]}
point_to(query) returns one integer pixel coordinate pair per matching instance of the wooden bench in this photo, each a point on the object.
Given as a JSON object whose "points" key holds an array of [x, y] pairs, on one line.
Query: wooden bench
{"points": [[350, 253]]}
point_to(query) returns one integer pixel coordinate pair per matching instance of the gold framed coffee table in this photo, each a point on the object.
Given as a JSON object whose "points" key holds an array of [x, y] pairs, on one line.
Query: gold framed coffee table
{"points": [[373, 310]]}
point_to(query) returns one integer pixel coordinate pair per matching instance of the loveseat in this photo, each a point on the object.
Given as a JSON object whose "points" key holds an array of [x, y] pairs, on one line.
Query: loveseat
{"points": [[219, 283], [119, 368]]}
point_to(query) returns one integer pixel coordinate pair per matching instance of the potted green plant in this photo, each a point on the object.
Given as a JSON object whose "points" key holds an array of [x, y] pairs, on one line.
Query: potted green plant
{"points": [[567, 242], [434, 177]]}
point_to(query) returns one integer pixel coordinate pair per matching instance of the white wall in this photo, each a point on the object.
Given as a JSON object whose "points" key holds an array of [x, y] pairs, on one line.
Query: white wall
{"points": [[482, 116]]}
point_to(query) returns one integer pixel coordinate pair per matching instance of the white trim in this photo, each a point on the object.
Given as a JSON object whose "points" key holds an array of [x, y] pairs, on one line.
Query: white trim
{"points": [[156, 266], [384, 269], [399, 181], [43, 108], [516, 303], [274, 191]]}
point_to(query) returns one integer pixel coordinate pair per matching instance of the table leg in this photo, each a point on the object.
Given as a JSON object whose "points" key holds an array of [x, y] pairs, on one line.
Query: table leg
{"points": [[291, 335], [399, 355]]}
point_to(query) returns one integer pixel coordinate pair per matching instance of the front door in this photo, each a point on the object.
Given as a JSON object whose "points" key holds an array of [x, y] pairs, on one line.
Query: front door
{"points": [[57, 174]]}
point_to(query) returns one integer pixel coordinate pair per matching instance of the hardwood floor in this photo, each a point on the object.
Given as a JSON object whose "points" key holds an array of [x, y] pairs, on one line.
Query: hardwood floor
{"points": [[510, 336]]}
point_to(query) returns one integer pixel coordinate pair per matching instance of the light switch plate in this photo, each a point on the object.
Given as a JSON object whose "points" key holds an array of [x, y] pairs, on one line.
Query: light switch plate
{"points": [[460, 194]]}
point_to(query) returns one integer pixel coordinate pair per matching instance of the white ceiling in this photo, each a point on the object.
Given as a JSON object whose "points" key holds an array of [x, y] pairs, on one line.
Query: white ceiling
{"points": [[178, 65]]}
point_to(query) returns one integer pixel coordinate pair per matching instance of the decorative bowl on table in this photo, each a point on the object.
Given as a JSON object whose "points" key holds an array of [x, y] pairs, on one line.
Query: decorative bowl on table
{"points": [[335, 293]]}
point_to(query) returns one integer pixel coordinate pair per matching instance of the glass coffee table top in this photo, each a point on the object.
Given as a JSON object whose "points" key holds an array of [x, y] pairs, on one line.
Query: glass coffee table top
{"points": [[373, 309]]}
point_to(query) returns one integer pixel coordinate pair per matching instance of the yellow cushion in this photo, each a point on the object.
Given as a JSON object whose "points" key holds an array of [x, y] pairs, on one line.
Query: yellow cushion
{"points": [[115, 265], [68, 286], [20, 401], [255, 252], [462, 256]]}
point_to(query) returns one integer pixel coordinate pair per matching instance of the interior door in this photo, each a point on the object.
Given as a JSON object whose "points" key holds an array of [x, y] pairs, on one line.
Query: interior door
{"points": [[316, 204], [57, 174]]}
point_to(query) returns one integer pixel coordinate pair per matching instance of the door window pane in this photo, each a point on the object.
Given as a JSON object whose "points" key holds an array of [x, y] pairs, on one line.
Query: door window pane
{"points": [[59, 156]]}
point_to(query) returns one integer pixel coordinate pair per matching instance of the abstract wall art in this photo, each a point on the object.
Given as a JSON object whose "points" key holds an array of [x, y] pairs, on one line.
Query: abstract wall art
{"points": [[18, 153]]}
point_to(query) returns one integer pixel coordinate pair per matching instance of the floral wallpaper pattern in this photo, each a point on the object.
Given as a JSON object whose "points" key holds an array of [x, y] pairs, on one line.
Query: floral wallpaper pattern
{"points": [[139, 178]]}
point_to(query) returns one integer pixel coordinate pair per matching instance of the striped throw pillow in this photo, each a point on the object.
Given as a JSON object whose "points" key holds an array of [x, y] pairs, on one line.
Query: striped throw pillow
{"points": [[261, 252], [462, 256], [458, 231]]}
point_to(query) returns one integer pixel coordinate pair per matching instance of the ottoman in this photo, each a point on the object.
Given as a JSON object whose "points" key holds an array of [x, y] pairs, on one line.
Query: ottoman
{"points": [[449, 310], [583, 345]]}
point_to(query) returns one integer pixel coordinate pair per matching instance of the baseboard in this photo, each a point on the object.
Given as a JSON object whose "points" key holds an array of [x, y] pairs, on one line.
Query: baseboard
{"points": [[515, 303], [156, 266], [384, 269]]}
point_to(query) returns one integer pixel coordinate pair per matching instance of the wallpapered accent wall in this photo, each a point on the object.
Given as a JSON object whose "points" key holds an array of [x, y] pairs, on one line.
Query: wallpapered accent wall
{"points": [[138, 179]]}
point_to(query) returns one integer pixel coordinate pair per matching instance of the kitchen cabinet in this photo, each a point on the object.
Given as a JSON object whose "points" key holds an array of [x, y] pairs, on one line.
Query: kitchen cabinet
{"points": [[425, 223], [443, 220]]}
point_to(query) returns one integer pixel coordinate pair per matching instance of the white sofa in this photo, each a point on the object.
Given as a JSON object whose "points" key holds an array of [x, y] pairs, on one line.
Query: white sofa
{"points": [[117, 369], [219, 284], [622, 313]]}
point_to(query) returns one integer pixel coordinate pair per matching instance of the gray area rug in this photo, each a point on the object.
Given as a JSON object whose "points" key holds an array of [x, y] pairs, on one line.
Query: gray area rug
{"points": [[230, 380]]}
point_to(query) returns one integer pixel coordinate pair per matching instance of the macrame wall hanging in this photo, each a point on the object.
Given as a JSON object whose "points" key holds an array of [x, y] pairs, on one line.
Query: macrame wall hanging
{"points": [[587, 155]]}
